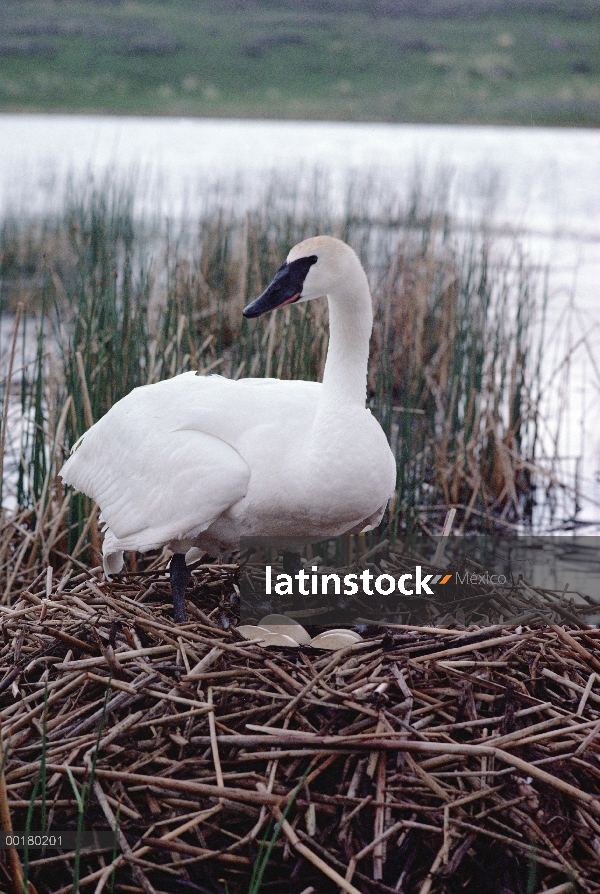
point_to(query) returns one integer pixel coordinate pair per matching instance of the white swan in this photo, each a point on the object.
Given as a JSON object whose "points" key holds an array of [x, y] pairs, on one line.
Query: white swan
{"points": [[206, 461]]}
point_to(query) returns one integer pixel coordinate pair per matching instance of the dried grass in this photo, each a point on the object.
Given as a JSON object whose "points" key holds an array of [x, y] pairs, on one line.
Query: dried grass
{"points": [[421, 760]]}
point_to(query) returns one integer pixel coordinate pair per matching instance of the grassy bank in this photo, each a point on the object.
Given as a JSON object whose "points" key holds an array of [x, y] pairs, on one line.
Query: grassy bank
{"points": [[445, 61], [111, 303]]}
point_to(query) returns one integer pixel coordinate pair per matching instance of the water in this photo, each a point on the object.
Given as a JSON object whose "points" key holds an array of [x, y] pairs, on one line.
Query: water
{"points": [[542, 184], [545, 179]]}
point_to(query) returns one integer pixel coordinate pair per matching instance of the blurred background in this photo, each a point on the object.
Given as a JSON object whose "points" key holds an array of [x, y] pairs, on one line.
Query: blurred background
{"points": [[439, 61]]}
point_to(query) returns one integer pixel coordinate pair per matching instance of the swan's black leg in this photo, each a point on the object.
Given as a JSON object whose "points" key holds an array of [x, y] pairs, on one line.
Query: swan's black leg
{"points": [[179, 577], [292, 565]]}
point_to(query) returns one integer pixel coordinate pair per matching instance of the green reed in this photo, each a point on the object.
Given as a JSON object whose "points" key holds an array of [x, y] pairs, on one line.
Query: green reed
{"points": [[116, 302]]}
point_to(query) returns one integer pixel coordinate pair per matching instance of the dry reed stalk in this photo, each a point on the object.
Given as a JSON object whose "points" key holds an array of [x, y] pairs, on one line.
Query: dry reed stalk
{"points": [[446, 531], [378, 830], [137, 872], [16, 870], [307, 853]]}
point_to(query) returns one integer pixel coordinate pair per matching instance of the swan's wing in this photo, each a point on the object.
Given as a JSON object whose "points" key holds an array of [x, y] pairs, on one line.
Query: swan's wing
{"points": [[154, 485], [166, 460]]}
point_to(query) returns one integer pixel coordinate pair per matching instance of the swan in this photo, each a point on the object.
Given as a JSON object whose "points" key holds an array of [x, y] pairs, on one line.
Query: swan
{"points": [[206, 462]]}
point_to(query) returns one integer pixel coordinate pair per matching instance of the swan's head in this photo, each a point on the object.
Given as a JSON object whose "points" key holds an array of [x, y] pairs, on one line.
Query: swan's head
{"points": [[314, 268]]}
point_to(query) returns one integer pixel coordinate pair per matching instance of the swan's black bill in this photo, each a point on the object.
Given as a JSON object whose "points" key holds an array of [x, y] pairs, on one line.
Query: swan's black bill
{"points": [[286, 288]]}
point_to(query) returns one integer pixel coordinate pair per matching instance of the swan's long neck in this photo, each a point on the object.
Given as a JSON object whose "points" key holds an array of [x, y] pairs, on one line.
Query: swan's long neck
{"points": [[350, 324]]}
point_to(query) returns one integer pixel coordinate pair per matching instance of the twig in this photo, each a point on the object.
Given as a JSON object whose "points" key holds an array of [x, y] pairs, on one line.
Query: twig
{"points": [[306, 852]]}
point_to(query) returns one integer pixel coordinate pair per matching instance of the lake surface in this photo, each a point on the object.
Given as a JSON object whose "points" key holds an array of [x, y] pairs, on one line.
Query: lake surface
{"points": [[542, 178], [542, 184]]}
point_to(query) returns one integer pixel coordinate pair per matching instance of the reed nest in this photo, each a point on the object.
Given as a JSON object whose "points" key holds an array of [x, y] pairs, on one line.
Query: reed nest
{"points": [[419, 760]]}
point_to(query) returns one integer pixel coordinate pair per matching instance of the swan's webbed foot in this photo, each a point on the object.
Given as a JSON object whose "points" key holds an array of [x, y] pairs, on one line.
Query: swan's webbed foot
{"points": [[292, 564], [179, 577]]}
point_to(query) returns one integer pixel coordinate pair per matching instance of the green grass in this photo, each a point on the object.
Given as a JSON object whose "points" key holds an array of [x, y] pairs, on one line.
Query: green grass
{"points": [[523, 63], [454, 369], [269, 841]]}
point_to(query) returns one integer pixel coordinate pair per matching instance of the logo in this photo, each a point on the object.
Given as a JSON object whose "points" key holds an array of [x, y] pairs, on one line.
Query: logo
{"points": [[349, 584]]}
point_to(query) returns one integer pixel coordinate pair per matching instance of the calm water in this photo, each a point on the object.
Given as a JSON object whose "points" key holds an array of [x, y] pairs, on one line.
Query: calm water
{"points": [[540, 183]]}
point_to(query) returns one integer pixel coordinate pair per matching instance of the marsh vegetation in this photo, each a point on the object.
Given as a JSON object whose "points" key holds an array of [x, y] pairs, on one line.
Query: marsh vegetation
{"points": [[111, 301], [98, 298]]}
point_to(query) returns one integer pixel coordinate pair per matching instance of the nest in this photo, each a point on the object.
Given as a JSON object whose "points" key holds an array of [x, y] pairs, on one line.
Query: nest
{"points": [[420, 760]]}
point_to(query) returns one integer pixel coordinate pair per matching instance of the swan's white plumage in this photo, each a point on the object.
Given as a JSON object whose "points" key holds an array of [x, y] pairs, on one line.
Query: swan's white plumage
{"points": [[205, 461]]}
